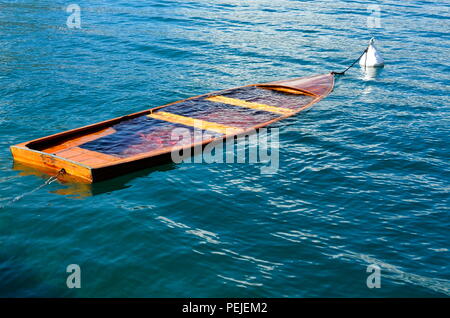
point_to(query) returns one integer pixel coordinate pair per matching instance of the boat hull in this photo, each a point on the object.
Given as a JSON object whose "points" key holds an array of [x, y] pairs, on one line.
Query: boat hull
{"points": [[124, 144]]}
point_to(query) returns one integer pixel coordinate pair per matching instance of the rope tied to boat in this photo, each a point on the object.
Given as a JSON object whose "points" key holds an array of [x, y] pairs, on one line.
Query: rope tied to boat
{"points": [[48, 181], [343, 72]]}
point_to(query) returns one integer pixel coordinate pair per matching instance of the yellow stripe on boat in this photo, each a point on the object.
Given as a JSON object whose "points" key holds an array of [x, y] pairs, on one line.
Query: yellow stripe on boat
{"points": [[243, 103], [285, 90], [196, 123], [289, 90]]}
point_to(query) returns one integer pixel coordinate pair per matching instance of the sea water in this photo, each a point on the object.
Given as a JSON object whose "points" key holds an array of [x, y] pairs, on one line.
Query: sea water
{"points": [[363, 177]]}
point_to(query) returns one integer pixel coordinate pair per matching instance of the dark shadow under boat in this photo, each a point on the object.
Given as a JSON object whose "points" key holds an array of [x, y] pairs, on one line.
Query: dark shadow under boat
{"points": [[69, 187]]}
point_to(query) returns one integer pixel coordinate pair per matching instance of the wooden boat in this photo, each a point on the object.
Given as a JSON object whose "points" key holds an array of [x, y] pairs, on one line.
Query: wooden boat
{"points": [[128, 143]]}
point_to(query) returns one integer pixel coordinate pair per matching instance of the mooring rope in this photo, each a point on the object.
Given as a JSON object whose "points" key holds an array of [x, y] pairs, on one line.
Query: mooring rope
{"points": [[48, 181], [343, 72]]}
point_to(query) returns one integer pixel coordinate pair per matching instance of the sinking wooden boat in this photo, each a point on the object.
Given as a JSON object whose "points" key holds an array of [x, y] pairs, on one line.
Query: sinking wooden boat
{"points": [[128, 143]]}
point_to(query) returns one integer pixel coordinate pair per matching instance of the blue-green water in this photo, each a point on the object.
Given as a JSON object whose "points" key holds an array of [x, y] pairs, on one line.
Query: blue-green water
{"points": [[363, 177]]}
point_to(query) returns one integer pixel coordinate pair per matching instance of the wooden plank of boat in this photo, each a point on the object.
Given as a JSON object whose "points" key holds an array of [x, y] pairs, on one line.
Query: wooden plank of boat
{"points": [[124, 144]]}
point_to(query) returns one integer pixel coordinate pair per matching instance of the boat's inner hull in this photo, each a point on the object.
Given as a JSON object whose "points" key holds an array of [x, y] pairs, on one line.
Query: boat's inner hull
{"points": [[231, 109]]}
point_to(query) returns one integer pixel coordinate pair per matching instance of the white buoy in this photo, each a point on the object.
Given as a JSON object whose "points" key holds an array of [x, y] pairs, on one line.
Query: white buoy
{"points": [[372, 58]]}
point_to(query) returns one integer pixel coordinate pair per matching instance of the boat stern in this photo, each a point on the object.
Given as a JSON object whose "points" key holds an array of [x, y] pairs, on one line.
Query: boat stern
{"points": [[51, 164]]}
